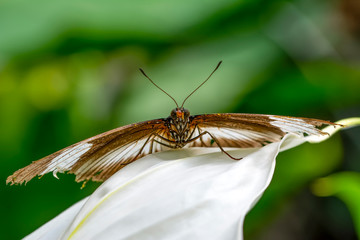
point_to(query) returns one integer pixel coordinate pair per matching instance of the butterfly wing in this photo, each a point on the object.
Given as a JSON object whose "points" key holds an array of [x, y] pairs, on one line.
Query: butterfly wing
{"points": [[99, 157], [250, 130]]}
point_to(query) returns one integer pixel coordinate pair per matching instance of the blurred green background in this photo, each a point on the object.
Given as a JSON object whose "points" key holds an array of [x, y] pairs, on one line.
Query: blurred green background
{"points": [[69, 70]]}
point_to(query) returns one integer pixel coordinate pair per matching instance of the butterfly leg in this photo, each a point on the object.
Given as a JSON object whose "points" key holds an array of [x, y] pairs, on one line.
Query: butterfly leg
{"points": [[166, 145], [201, 140], [192, 132], [152, 144], [216, 141], [165, 139], [142, 148]]}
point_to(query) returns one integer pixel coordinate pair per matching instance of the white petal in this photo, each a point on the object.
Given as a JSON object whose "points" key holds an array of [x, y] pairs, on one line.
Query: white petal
{"points": [[202, 194], [197, 197], [56, 227]]}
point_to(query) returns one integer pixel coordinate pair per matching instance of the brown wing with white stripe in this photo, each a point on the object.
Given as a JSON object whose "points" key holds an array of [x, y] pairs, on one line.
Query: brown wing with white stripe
{"points": [[99, 157], [250, 130]]}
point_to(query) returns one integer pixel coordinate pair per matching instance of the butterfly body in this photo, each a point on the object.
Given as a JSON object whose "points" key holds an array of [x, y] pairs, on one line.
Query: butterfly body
{"points": [[178, 124]]}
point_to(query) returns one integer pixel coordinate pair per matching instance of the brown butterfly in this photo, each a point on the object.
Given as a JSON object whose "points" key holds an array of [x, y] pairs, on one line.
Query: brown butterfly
{"points": [[99, 157]]}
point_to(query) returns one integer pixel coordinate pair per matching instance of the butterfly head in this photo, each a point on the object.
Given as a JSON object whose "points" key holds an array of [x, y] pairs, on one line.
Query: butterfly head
{"points": [[180, 114]]}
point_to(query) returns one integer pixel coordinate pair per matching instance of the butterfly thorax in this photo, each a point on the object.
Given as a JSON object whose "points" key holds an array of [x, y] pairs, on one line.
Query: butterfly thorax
{"points": [[178, 124]]}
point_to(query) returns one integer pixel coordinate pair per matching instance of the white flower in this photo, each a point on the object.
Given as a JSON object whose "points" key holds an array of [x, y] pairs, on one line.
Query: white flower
{"points": [[180, 194]]}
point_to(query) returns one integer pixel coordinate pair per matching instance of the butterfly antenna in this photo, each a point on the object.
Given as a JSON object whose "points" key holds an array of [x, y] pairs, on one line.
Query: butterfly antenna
{"points": [[218, 65], [142, 71]]}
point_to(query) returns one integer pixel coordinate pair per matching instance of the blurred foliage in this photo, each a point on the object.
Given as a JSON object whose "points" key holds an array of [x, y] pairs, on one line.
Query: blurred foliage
{"points": [[344, 185], [69, 70]]}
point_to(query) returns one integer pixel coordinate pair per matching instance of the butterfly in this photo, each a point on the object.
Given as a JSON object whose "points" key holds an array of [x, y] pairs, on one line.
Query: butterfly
{"points": [[99, 157]]}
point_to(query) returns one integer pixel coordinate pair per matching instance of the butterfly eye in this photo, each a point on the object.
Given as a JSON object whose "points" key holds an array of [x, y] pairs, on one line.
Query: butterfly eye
{"points": [[186, 113], [173, 113]]}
